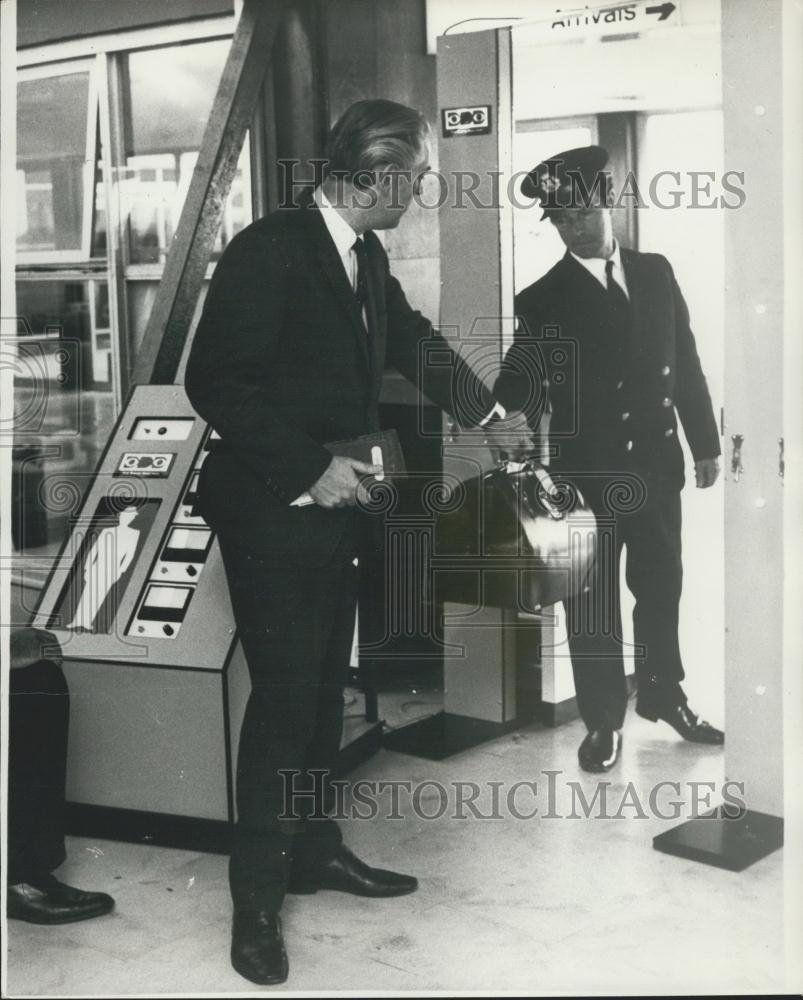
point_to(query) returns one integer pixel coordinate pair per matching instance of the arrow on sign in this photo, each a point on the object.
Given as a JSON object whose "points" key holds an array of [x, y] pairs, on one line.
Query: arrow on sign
{"points": [[664, 9]]}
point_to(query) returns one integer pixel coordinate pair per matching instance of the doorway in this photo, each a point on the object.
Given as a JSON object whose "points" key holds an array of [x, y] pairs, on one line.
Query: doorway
{"points": [[663, 133]]}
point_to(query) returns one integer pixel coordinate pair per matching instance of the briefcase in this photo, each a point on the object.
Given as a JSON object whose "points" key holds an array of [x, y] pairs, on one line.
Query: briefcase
{"points": [[513, 538]]}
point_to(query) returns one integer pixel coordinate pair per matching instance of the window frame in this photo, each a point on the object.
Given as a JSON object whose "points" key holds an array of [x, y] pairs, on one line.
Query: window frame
{"points": [[203, 29], [27, 258], [103, 55]]}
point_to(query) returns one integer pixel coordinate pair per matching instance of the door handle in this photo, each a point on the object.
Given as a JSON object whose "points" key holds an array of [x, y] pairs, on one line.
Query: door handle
{"points": [[781, 461], [737, 440]]}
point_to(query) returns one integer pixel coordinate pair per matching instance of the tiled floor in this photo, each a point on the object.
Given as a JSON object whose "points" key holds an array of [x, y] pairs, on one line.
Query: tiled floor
{"points": [[542, 905]]}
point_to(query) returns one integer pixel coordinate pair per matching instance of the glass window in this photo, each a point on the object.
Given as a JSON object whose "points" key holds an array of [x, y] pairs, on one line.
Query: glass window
{"points": [[69, 330], [169, 96], [74, 311], [64, 407], [52, 140]]}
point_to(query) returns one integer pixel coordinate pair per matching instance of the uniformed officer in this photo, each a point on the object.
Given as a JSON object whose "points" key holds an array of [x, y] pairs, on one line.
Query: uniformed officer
{"points": [[606, 331]]}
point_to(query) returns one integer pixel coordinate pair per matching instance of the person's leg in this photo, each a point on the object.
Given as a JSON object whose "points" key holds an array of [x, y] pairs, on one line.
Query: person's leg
{"points": [[319, 839], [285, 619], [655, 575], [320, 859], [39, 712], [594, 627]]}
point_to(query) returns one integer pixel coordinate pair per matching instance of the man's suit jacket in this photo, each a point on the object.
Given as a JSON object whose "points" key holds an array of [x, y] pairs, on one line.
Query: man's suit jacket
{"points": [[615, 389], [281, 363]]}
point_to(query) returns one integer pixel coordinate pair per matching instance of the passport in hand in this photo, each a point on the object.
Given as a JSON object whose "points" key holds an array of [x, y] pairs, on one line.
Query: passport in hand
{"points": [[381, 448]]}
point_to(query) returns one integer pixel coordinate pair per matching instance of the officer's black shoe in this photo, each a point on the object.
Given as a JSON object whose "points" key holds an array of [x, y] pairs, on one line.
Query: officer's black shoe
{"points": [[48, 901], [257, 947], [346, 873], [600, 750], [691, 727]]}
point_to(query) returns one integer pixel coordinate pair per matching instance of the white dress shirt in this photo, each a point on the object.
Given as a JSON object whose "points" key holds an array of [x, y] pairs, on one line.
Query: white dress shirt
{"points": [[596, 267], [343, 236]]}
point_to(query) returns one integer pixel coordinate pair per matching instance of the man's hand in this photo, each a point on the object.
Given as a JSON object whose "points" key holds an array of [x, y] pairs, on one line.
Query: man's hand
{"points": [[510, 435], [29, 645], [706, 472], [337, 487]]}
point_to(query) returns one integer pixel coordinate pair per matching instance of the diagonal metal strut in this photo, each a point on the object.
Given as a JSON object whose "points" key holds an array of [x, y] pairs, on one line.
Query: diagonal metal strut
{"points": [[160, 352]]}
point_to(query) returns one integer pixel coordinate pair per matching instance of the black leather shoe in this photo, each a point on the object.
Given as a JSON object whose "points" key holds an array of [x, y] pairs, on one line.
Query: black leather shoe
{"points": [[346, 873], [257, 947], [600, 750], [52, 902], [691, 727]]}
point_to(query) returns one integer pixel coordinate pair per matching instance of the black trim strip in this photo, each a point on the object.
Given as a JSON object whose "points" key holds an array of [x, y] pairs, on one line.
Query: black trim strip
{"points": [[134, 827], [113, 662], [230, 776]]}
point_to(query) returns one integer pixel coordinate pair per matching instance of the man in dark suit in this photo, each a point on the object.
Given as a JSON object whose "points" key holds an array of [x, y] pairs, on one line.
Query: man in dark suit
{"points": [[301, 313], [620, 319]]}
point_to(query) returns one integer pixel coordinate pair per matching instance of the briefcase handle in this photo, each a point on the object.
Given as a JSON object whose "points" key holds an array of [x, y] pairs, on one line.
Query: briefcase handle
{"points": [[549, 496]]}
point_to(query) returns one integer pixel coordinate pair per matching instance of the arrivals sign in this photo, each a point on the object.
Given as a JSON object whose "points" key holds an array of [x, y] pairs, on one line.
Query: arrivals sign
{"points": [[609, 20], [564, 21]]}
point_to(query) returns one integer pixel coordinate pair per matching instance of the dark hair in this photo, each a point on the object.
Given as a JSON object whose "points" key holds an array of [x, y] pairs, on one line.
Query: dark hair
{"points": [[376, 133]]}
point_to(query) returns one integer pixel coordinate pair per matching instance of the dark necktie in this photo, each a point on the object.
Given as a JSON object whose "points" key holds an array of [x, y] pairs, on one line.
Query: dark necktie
{"points": [[361, 291], [620, 308], [616, 294]]}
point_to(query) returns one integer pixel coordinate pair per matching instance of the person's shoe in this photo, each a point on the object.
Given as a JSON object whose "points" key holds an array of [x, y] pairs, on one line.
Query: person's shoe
{"points": [[600, 750], [257, 947], [346, 873], [691, 727], [49, 901]]}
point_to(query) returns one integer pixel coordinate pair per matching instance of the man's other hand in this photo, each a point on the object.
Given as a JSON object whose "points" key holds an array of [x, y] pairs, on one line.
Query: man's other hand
{"points": [[509, 436], [706, 472], [337, 487]]}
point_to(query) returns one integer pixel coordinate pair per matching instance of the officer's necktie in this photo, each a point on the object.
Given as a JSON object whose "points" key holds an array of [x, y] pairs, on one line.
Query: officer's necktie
{"points": [[620, 307], [616, 294]]}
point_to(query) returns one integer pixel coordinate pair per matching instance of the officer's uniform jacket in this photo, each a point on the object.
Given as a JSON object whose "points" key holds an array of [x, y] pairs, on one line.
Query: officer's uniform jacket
{"points": [[616, 384]]}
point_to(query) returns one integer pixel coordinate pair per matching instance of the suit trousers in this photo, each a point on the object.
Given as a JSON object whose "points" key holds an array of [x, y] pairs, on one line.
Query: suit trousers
{"points": [[296, 625], [650, 534], [39, 713]]}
